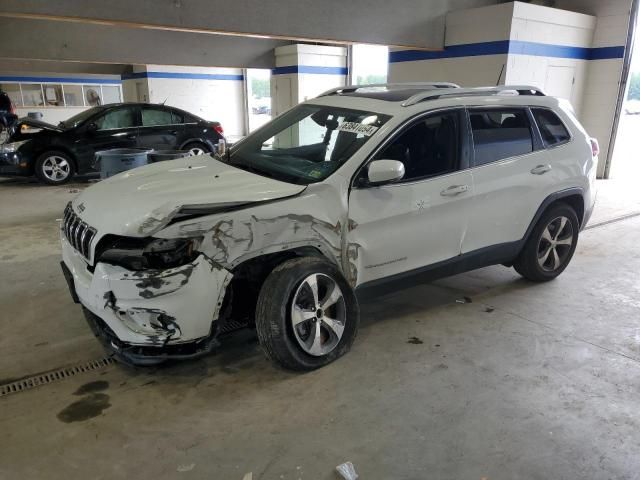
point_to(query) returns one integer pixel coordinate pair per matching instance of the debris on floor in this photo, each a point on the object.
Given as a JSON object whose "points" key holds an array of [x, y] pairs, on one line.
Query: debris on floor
{"points": [[415, 341], [489, 309], [464, 300], [347, 471], [248, 476], [186, 468]]}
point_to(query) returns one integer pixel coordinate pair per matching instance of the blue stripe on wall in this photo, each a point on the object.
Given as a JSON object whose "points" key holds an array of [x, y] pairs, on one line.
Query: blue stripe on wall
{"points": [[503, 47], [183, 76], [310, 69], [102, 81]]}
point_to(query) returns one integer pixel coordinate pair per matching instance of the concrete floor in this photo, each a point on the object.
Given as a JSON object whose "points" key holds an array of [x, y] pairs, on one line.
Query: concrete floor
{"points": [[523, 382]]}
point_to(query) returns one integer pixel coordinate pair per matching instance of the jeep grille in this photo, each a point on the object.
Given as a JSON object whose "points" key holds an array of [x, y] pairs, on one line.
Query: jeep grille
{"points": [[78, 233]]}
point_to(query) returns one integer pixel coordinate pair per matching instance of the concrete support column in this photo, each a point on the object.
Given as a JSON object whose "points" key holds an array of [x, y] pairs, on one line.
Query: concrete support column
{"points": [[304, 71]]}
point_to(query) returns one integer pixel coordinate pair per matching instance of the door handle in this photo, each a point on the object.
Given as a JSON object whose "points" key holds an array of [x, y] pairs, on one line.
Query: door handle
{"points": [[541, 169], [131, 137], [454, 190], [173, 132]]}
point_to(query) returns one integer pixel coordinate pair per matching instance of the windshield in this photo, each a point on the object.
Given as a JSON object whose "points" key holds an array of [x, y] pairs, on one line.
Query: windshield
{"points": [[79, 118], [306, 144]]}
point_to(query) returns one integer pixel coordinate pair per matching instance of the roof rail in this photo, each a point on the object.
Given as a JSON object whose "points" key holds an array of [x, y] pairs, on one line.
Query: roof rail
{"points": [[353, 88], [478, 91]]}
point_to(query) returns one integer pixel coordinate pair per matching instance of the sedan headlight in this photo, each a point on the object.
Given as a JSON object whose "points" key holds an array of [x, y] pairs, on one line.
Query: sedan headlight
{"points": [[149, 253], [11, 147]]}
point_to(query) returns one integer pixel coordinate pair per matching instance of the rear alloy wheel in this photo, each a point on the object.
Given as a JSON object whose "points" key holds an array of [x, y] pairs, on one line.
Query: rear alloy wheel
{"points": [[54, 168], [307, 314], [197, 148], [550, 246]]}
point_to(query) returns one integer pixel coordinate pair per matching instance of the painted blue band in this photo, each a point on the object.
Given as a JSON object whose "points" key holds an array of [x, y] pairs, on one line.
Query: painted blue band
{"points": [[310, 69], [183, 76], [103, 81], [504, 47]]}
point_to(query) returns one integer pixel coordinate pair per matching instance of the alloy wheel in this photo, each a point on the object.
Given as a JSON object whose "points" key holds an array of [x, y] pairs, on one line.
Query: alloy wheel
{"points": [[196, 151], [555, 244], [56, 168], [318, 314]]}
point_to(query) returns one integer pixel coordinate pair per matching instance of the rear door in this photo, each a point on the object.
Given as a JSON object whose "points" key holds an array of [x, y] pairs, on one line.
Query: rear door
{"points": [[420, 220], [161, 128], [115, 128], [512, 175]]}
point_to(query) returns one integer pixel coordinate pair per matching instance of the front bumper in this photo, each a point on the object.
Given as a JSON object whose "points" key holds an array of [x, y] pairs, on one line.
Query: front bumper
{"points": [[14, 163], [152, 313]]}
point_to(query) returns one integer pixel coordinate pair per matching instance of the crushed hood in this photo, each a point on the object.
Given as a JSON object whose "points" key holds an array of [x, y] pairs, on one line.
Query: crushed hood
{"points": [[142, 201], [30, 123]]}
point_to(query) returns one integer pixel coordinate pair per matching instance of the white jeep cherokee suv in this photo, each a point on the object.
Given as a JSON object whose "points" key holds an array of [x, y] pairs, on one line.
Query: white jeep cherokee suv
{"points": [[350, 192]]}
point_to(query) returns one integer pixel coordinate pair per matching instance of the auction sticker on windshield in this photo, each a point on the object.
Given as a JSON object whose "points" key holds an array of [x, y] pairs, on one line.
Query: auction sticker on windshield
{"points": [[353, 127]]}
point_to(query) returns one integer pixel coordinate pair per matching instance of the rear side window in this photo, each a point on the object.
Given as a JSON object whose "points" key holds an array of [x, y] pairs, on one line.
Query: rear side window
{"points": [[154, 116], [500, 133], [176, 117], [551, 127]]}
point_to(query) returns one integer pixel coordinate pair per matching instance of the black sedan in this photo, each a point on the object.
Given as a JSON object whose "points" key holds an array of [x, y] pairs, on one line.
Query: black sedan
{"points": [[55, 153]]}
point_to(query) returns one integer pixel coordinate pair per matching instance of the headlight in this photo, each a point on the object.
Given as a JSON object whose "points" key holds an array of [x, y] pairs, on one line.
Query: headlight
{"points": [[148, 253], [11, 147]]}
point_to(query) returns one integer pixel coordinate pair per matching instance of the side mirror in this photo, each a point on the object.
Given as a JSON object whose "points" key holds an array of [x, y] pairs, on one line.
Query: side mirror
{"points": [[92, 127], [380, 172]]}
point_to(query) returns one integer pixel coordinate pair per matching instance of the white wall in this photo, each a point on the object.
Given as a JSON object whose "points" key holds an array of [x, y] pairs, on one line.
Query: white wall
{"points": [[561, 77], [476, 25]]}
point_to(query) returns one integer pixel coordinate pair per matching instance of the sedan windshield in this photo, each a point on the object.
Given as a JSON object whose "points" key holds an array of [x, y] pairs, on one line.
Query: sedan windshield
{"points": [[76, 120], [306, 144]]}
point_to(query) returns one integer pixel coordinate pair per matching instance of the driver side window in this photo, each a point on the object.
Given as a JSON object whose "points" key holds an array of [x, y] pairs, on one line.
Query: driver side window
{"points": [[119, 118], [427, 148]]}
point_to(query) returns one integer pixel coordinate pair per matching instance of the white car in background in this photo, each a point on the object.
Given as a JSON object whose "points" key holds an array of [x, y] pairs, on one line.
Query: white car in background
{"points": [[358, 190]]}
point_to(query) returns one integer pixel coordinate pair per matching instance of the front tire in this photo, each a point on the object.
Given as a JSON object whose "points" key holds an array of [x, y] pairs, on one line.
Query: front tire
{"points": [[54, 168], [307, 314], [550, 246]]}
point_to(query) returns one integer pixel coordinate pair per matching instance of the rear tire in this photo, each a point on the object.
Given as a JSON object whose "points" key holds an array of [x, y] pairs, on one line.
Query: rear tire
{"points": [[550, 247], [301, 330], [54, 168], [197, 148]]}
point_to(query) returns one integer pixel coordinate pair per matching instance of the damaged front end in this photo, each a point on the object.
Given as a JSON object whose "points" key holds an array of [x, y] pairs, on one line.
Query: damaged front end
{"points": [[149, 299]]}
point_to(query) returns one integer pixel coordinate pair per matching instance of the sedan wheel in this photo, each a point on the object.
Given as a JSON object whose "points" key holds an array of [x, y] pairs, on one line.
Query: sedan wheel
{"points": [[196, 151], [56, 168]]}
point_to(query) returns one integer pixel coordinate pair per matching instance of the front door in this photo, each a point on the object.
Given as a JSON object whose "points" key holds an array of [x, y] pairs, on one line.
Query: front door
{"points": [[160, 129], [420, 220], [116, 128]]}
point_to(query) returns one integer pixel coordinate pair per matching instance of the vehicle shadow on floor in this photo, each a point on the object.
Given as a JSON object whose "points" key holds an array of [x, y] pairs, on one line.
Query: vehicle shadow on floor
{"points": [[240, 355]]}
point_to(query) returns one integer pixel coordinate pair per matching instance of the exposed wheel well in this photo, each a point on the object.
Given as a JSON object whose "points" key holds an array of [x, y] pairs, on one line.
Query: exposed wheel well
{"points": [[247, 281]]}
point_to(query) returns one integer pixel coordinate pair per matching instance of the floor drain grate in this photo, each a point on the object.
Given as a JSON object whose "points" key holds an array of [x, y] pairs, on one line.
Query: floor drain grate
{"points": [[50, 377]]}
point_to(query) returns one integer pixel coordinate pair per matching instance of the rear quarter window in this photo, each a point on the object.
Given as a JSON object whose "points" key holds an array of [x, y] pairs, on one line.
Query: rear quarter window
{"points": [[500, 134], [552, 130]]}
